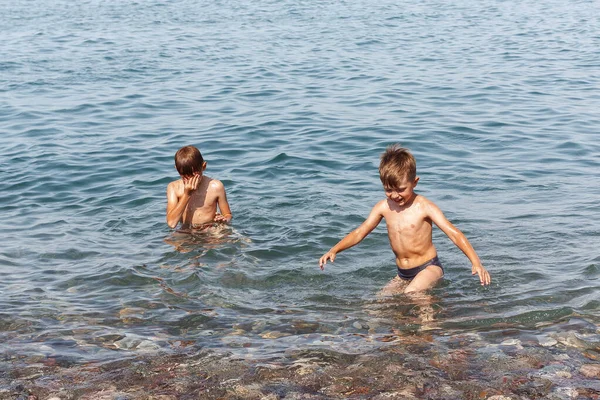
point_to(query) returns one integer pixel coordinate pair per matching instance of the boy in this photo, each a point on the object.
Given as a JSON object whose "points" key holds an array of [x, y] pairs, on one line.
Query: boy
{"points": [[193, 199], [409, 217]]}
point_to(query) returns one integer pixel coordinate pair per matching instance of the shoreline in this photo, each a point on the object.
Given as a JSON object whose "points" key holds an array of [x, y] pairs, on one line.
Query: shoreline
{"points": [[563, 365]]}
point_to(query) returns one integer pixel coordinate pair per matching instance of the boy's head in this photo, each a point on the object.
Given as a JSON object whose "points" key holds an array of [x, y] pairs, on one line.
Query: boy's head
{"points": [[189, 161], [397, 167]]}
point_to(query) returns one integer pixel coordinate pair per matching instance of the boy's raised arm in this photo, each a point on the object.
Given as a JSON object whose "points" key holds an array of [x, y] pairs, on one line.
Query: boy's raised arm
{"points": [[460, 240], [356, 236], [176, 205]]}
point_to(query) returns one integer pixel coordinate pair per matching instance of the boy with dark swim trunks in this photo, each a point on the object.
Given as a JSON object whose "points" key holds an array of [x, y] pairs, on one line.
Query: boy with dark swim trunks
{"points": [[193, 199], [409, 218]]}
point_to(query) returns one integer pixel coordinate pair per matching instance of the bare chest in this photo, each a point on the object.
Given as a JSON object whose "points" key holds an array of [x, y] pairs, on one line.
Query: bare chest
{"points": [[408, 224]]}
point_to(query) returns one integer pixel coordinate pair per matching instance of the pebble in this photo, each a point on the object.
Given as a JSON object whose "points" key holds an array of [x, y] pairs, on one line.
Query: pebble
{"points": [[259, 326], [569, 392], [305, 370], [148, 345], [252, 390], [46, 348], [555, 371], [547, 341], [130, 311], [572, 340], [273, 335], [590, 370], [564, 374], [305, 327], [127, 343], [357, 325], [135, 342], [512, 342]]}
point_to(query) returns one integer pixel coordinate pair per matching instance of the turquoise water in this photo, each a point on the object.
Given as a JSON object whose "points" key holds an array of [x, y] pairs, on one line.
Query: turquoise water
{"points": [[291, 103]]}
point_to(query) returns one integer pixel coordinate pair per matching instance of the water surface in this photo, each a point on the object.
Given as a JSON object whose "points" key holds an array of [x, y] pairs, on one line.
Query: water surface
{"points": [[291, 104]]}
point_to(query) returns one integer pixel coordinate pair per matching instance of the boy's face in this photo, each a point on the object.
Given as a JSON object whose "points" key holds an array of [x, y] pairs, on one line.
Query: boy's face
{"points": [[402, 194]]}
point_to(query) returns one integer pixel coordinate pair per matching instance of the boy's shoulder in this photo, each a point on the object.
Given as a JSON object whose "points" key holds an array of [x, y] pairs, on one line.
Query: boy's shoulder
{"points": [[425, 206], [421, 201], [424, 199], [175, 184], [214, 184]]}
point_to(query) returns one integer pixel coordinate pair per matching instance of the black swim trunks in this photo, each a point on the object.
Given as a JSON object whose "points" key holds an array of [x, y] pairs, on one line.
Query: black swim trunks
{"points": [[410, 273]]}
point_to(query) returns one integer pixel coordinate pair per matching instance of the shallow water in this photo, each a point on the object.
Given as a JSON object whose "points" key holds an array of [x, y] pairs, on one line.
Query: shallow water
{"points": [[291, 103]]}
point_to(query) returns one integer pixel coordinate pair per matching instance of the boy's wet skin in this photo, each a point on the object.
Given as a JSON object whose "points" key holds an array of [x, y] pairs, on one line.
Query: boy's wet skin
{"points": [[199, 212], [409, 218], [195, 199]]}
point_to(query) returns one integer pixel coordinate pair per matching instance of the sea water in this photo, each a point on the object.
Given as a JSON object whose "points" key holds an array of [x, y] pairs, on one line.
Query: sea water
{"points": [[291, 103]]}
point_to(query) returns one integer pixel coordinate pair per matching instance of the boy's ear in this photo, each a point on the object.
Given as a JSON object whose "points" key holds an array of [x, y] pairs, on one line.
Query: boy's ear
{"points": [[415, 181], [203, 166]]}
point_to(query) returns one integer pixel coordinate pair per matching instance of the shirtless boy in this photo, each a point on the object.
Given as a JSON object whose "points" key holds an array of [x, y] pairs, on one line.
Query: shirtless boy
{"points": [[409, 217], [193, 199]]}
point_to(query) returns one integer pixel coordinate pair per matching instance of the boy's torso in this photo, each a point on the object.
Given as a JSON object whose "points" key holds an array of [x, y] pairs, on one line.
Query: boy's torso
{"points": [[409, 231], [202, 206]]}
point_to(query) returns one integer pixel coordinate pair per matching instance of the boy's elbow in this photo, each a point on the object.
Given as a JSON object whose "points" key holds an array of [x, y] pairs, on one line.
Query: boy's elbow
{"points": [[172, 224]]}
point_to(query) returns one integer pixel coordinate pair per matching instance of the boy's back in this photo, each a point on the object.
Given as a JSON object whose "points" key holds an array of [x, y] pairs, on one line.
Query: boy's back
{"points": [[202, 204], [193, 199]]}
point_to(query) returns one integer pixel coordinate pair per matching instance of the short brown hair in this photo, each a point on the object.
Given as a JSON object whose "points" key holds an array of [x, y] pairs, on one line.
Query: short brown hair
{"points": [[396, 164], [188, 161]]}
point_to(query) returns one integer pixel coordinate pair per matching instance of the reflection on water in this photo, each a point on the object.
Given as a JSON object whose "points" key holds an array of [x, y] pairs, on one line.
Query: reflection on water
{"points": [[202, 240]]}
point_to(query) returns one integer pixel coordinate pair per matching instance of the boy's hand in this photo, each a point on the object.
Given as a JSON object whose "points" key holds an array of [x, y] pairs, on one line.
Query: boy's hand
{"points": [[191, 183], [484, 276], [222, 218], [323, 260]]}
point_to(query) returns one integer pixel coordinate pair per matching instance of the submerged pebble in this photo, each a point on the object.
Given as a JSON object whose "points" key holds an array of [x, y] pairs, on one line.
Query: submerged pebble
{"points": [[273, 335], [547, 341], [590, 370]]}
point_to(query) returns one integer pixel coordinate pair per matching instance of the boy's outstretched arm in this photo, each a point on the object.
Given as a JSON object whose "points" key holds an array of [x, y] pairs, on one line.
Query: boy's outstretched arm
{"points": [[354, 237], [460, 240], [176, 205], [225, 215]]}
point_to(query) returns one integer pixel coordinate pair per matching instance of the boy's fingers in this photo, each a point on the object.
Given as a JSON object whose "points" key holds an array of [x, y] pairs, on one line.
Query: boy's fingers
{"points": [[485, 278], [323, 261], [322, 264]]}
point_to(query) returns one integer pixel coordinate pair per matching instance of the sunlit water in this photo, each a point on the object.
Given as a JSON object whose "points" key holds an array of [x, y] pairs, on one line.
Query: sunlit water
{"points": [[291, 103]]}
